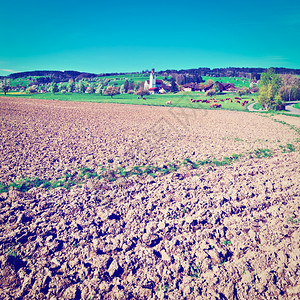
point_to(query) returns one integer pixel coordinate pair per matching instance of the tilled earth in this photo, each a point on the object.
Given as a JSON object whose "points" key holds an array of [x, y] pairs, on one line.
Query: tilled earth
{"points": [[210, 232]]}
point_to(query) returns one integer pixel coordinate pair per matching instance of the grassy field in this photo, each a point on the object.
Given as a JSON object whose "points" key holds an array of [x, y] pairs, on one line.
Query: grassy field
{"points": [[296, 105], [118, 80], [181, 99], [257, 106], [238, 81]]}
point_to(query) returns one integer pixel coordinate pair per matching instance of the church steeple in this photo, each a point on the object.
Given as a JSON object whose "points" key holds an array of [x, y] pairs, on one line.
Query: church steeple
{"points": [[152, 79]]}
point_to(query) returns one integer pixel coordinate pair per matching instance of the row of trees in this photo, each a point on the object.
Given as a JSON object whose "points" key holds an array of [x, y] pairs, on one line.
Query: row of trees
{"points": [[275, 89], [82, 86]]}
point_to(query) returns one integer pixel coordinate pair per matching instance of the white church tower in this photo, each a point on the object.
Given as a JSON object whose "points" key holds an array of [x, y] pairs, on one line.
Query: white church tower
{"points": [[152, 83]]}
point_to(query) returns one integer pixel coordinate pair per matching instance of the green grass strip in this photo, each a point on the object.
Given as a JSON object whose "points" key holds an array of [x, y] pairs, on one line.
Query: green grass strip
{"points": [[68, 180]]}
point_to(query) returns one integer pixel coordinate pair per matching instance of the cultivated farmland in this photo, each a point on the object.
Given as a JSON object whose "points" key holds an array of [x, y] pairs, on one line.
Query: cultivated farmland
{"points": [[112, 201]]}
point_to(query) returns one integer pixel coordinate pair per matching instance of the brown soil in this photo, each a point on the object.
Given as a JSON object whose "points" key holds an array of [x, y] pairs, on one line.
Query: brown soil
{"points": [[228, 232]]}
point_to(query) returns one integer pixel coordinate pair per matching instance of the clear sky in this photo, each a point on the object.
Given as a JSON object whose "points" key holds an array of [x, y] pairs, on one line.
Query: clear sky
{"points": [[124, 36]]}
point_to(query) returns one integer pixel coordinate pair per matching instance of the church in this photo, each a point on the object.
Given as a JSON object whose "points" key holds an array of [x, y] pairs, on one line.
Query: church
{"points": [[153, 85]]}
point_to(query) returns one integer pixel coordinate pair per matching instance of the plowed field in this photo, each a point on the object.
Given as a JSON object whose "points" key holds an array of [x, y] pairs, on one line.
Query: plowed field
{"points": [[110, 201]]}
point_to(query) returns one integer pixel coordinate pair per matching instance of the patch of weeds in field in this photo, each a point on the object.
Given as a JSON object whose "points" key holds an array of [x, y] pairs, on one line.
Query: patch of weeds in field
{"points": [[111, 176], [291, 147], [238, 140], [184, 211], [58, 183], [227, 243], [11, 251], [69, 180], [89, 173], [173, 167], [195, 271], [25, 184], [288, 148], [151, 170], [172, 215], [15, 259], [3, 187], [137, 170], [293, 220], [187, 161], [204, 162], [123, 172], [69, 184], [166, 287], [292, 127], [262, 153], [224, 261]]}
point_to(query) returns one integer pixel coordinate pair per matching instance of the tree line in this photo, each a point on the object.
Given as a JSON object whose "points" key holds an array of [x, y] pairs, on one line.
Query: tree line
{"points": [[276, 89]]}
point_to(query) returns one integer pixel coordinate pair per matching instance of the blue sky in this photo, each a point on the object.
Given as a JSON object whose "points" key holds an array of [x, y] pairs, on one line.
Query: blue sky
{"points": [[125, 36]]}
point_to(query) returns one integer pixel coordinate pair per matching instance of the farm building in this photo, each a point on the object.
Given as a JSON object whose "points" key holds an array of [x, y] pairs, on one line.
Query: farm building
{"points": [[190, 87], [223, 87]]}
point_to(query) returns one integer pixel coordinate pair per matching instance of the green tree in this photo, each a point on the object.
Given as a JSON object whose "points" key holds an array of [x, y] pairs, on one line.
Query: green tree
{"points": [[99, 88], [210, 93], [137, 86], [126, 86], [54, 88], [71, 87], [241, 93], [90, 90], [32, 89], [269, 86], [122, 89], [216, 87], [142, 92], [81, 87], [290, 90], [174, 87], [111, 91], [5, 85]]}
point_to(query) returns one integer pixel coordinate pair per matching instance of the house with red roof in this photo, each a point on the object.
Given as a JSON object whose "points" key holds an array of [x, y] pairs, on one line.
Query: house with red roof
{"points": [[223, 87]]}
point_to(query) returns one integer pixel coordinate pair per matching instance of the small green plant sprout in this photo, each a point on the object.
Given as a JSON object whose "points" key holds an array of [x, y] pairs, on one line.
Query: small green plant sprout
{"points": [[184, 211], [12, 252], [227, 243], [293, 220], [224, 261], [195, 272], [263, 153], [238, 140], [288, 148], [164, 287], [291, 147]]}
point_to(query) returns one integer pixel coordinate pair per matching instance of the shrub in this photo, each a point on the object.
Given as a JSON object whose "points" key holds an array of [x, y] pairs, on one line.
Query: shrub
{"points": [[90, 90], [142, 92], [210, 92], [32, 89]]}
